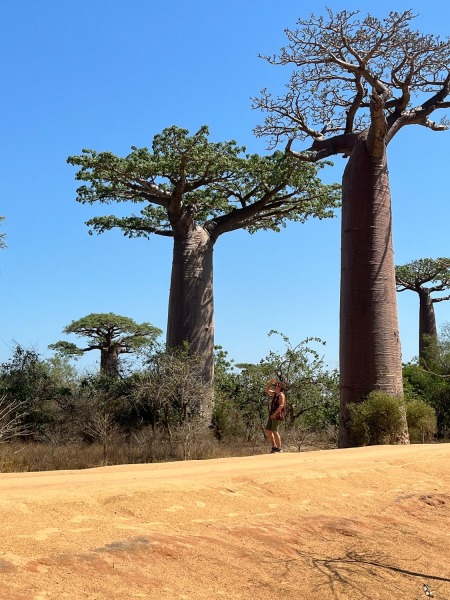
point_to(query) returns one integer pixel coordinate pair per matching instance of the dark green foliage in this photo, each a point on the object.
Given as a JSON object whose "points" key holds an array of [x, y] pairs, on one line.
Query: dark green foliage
{"points": [[101, 329], [55, 406], [64, 348], [215, 184], [430, 381], [312, 391], [376, 420], [424, 271], [434, 389], [242, 405], [226, 419], [30, 382], [250, 400]]}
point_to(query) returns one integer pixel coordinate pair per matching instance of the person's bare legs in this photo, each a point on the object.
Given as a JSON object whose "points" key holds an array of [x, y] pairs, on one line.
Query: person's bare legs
{"points": [[270, 436], [276, 439]]}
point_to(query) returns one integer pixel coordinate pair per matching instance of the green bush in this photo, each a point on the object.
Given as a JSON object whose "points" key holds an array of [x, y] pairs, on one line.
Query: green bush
{"points": [[376, 420], [434, 389], [421, 419]]}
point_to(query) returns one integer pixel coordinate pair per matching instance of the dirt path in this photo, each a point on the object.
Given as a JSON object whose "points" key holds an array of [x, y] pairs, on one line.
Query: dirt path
{"points": [[364, 523]]}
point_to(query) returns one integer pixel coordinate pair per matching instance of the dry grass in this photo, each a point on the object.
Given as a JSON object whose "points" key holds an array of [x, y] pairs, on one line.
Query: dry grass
{"points": [[147, 446]]}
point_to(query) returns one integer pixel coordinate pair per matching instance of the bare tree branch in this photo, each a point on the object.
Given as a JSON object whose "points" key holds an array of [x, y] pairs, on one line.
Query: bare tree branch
{"points": [[11, 419]]}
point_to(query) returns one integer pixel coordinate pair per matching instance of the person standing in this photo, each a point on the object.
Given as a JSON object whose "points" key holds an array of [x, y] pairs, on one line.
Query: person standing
{"points": [[276, 413]]}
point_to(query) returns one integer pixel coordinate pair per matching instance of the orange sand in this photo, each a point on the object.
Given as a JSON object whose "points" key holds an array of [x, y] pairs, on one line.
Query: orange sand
{"points": [[363, 523]]}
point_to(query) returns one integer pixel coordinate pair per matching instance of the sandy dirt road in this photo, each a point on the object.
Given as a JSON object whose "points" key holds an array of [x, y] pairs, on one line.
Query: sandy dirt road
{"points": [[363, 523]]}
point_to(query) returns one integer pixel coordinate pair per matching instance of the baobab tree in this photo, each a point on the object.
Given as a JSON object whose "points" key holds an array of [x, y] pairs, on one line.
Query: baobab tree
{"points": [[112, 335], [193, 191], [354, 84], [415, 276]]}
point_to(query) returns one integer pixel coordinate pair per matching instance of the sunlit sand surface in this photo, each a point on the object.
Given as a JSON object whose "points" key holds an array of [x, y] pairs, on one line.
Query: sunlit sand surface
{"points": [[363, 523]]}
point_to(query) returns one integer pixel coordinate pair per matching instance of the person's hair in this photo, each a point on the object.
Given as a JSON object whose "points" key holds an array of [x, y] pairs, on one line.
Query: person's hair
{"points": [[281, 385]]}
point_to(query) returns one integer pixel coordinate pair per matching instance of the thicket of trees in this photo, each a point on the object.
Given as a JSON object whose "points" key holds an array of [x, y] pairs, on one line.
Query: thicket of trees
{"points": [[312, 391], [46, 401], [150, 410], [429, 380]]}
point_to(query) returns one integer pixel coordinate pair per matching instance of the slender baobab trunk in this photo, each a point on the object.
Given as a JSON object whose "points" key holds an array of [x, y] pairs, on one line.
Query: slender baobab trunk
{"points": [[191, 309], [370, 354], [427, 325]]}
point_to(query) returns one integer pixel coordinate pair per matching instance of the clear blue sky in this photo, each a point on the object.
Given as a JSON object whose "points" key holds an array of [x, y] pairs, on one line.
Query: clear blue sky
{"points": [[107, 75]]}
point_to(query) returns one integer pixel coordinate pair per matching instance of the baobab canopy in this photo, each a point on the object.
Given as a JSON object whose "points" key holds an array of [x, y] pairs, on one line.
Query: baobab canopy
{"points": [[345, 70], [190, 178]]}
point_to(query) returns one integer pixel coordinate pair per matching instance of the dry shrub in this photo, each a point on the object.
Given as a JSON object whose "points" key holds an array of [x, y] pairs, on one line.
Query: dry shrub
{"points": [[422, 422], [376, 420]]}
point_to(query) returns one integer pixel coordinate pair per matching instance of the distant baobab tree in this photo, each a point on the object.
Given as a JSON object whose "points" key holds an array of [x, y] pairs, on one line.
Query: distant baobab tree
{"points": [[426, 276], [111, 334]]}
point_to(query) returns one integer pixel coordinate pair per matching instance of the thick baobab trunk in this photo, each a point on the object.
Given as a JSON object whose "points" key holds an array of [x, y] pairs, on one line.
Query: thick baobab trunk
{"points": [[109, 361], [370, 354], [427, 324], [191, 309]]}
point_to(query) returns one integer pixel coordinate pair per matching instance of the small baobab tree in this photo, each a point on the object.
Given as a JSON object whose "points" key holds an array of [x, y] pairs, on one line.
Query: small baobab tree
{"points": [[426, 276], [113, 335]]}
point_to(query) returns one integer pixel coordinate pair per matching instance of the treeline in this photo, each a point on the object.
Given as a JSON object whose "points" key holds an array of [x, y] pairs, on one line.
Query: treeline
{"points": [[54, 417]]}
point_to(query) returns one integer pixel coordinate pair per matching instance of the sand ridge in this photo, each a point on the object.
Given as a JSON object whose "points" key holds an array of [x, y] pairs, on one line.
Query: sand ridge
{"points": [[356, 524]]}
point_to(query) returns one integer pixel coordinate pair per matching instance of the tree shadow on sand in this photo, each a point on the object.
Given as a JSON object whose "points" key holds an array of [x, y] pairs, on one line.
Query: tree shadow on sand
{"points": [[350, 573]]}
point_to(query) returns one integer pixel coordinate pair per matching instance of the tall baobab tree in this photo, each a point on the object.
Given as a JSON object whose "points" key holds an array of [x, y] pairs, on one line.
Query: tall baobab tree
{"points": [[354, 84], [415, 276], [193, 191]]}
